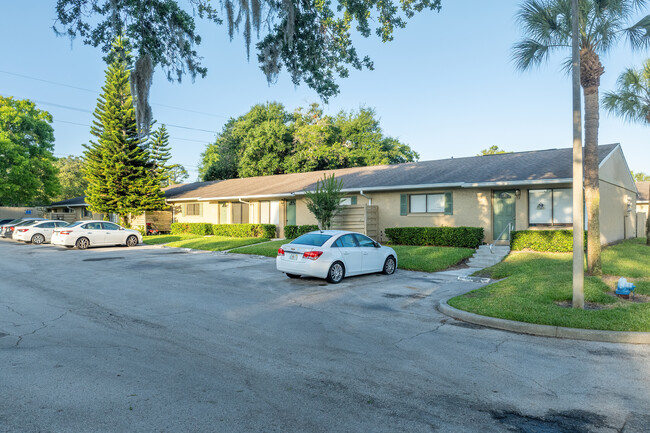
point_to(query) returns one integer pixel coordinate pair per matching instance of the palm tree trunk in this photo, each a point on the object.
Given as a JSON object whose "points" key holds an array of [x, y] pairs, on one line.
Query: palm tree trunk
{"points": [[590, 71], [592, 190]]}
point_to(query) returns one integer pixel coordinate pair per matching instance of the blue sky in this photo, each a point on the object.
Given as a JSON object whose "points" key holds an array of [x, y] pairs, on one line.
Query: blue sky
{"points": [[446, 86]]}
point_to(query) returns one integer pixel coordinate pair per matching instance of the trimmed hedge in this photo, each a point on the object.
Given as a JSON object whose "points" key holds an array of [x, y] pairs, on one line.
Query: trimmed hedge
{"points": [[461, 237], [229, 230], [552, 241], [293, 231]]}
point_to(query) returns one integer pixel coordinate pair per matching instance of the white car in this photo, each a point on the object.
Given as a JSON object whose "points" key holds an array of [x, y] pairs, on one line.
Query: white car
{"points": [[37, 233], [334, 254], [84, 234]]}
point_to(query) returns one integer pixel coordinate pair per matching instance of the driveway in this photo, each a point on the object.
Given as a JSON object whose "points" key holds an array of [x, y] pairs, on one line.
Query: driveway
{"points": [[158, 339]]}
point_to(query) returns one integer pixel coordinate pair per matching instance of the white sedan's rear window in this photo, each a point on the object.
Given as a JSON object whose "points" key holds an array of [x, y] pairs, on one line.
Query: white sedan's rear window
{"points": [[312, 239]]}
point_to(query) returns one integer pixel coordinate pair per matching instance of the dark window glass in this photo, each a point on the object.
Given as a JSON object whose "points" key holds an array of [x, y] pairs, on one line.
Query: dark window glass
{"points": [[313, 239], [92, 226], [348, 241], [365, 241], [110, 226]]}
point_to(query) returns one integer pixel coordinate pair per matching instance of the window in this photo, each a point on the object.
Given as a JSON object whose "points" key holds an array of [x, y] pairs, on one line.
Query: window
{"points": [[92, 226], [348, 201], [193, 209], [365, 241], [312, 239], [86, 213], [347, 241], [110, 226], [427, 203], [223, 213], [550, 206]]}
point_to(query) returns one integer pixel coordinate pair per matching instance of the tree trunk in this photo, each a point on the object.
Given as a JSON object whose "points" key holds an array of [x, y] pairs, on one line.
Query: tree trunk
{"points": [[590, 72]]}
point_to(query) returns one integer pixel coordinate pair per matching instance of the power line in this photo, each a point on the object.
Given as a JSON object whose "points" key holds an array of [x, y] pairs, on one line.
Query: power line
{"points": [[56, 83], [89, 126], [83, 110]]}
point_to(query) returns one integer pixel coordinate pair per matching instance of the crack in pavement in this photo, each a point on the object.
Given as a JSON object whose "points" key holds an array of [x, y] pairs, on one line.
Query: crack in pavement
{"points": [[43, 325], [12, 310], [496, 349], [418, 334]]}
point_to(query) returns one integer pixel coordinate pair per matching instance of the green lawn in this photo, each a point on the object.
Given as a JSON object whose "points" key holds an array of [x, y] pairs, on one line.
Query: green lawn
{"points": [[163, 239], [538, 289], [214, 243], [268, 249], [429, 259]]}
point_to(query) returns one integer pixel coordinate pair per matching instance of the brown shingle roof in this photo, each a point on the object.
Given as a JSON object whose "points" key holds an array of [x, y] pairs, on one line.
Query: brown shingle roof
{"points": [[543, 166]]}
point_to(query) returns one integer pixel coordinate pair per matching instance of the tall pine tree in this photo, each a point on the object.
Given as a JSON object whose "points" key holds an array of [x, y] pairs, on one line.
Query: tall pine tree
{"points": [[160, 155], [118, 163]]}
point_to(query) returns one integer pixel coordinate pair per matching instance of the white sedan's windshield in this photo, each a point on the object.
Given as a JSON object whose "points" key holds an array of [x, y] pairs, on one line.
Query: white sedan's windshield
{"points": [[311, 239]]}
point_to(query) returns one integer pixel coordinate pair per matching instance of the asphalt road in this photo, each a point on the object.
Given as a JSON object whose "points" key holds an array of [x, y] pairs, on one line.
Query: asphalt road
{"points": [[161, 340]]}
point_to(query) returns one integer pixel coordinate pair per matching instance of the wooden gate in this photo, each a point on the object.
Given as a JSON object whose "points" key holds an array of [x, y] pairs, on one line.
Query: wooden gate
{"points": [[358, 218]]}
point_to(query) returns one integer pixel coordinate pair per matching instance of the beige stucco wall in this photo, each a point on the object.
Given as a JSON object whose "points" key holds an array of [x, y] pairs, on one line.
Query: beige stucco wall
{"points": [[617, 188]]}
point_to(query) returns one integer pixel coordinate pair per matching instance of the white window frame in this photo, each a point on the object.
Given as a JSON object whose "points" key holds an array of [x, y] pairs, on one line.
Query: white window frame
{"points": [[553, 221], [427, 207]]}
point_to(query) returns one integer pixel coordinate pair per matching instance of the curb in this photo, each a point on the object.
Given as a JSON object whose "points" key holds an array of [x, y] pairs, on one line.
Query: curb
{"points": [[545, 330]]}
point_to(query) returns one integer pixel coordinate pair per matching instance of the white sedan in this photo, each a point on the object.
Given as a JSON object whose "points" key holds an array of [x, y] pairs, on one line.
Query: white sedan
{"points": [[37, 233], [84, 234], [334, 254]]}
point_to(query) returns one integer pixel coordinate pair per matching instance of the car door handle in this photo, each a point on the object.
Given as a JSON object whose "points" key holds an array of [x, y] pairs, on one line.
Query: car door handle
{"points": [[365, 254], [346, 254]]}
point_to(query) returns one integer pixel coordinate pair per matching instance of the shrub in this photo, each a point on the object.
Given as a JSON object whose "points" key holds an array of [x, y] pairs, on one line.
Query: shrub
{"points": [[293, 231], [462, 237], [554, 241], [228, 230]]}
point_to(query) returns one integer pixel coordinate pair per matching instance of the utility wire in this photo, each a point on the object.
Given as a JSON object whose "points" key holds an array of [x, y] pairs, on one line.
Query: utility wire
{"points": [[90, 126], [56, 83], [83, 110]]}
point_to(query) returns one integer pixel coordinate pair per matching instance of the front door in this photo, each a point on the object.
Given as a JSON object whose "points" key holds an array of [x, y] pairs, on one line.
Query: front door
{"points": [[291, 212], [503, 213]]}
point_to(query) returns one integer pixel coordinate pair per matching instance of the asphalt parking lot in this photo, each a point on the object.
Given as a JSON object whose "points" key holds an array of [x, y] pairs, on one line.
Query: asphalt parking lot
{"points": [[159, 339]]}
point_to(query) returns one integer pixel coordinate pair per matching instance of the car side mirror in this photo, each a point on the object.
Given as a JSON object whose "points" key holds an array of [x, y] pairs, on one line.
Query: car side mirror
{"points": [[121, 228], [377, 245]]}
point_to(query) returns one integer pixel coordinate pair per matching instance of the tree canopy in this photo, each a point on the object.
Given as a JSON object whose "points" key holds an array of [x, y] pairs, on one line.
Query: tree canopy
{"points": [[631, 100], [70, 175], [312, 40], [640, 176], [492, 150], [27, 172], [269, 140]]}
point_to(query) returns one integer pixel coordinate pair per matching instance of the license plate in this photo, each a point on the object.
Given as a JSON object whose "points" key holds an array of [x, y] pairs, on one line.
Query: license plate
{"points": [[293, 256]]}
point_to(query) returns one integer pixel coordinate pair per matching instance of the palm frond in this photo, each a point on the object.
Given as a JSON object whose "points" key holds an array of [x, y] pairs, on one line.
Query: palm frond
{"points": [[639, 34]]}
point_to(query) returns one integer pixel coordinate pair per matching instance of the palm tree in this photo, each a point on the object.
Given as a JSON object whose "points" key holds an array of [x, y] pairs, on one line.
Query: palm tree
{"points": [[547, 24], [631, 101]]}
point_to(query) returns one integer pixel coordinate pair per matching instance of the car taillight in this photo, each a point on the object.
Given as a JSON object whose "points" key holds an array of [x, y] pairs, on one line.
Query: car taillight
{"points": [[280, 252], [12, 228], [22, 230], [312, 255], [65, 232]]}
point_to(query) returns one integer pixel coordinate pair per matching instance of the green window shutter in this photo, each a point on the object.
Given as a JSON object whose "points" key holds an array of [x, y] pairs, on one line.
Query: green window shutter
{"points": [[449, 203], [353, 200], [403, 204]]}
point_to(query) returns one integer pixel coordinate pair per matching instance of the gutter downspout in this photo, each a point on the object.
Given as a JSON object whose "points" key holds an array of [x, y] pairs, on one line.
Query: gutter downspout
{"points": [[363, 195]]}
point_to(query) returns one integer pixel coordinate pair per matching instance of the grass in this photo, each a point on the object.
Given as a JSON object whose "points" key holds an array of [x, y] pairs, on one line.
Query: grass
{"points": [[164, 239], [429, 259], [268, 249], [538, 289], [214, 243]]}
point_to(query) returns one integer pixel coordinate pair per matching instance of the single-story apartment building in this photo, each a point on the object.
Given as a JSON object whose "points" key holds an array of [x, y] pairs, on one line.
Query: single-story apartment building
{"points": [[526, 190], [642, 207]]}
